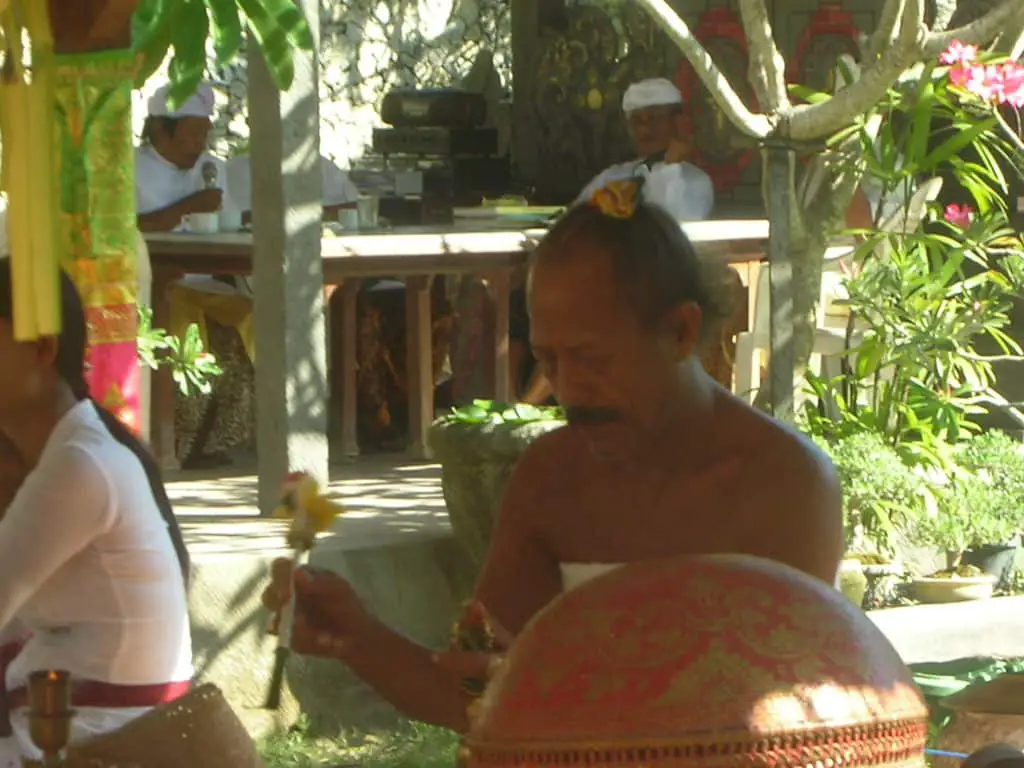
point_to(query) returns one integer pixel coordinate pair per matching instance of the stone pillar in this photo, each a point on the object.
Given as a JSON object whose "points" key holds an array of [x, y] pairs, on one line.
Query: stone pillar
{"points": [[291, 371]]}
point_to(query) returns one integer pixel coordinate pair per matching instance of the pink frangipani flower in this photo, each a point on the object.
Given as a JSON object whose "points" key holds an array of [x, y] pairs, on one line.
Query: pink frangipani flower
{"points": [[959, 54], [959, 215], [996, 83]]}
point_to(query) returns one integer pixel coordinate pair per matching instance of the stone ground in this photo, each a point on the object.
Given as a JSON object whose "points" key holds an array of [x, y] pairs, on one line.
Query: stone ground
{"points": [[393, 544], [387, 497]]}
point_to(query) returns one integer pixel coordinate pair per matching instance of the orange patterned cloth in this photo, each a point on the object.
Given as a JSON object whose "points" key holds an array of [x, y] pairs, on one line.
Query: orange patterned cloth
{"points": [[700, 662], [618, 199]]}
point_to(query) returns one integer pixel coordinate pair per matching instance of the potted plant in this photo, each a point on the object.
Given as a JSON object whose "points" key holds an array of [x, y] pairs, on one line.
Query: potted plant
{"points": [[969, 512], [478, 446], [997, 458], [881, 495]]}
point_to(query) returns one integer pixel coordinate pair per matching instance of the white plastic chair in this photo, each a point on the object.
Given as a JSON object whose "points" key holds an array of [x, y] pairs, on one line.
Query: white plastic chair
{"points": [[832, 318]]}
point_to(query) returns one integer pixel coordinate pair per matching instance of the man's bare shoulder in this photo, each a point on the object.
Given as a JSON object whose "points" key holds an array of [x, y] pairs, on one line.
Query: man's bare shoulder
{"points": [[544, 468], [795, 505], [772, 447]]}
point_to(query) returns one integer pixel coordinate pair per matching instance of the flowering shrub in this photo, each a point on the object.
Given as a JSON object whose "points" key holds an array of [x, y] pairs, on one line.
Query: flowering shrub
{"points": [[1000, 83], [921, 300]]}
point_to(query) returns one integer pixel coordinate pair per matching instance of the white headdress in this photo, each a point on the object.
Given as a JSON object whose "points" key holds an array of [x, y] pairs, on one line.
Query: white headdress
{"points": [[654, 92]]}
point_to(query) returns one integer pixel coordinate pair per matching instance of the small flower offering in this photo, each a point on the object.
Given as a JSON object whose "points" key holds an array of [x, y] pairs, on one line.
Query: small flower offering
{"points": [[310, 512]]}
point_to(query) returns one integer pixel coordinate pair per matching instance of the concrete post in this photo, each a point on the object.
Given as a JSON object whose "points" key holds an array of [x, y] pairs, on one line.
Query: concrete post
{"points": [[287, 200]]}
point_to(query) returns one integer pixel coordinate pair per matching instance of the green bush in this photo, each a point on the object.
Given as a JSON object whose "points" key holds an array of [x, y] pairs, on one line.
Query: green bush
{"points": [[880, 492], [996, 458]]}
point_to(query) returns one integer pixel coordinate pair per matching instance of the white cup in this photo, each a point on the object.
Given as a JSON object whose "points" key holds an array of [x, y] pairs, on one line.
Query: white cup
{"points": [[230, 220], [368, 208], [204, 223], [348, 218]]}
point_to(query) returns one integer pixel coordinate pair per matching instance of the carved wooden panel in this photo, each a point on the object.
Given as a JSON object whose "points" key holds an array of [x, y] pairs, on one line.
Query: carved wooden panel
{"points": [[717, 147], [830, 33], [579, 76]]}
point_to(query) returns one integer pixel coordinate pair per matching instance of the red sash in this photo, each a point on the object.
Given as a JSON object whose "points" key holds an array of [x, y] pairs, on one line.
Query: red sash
{"points": [[86, 693], [92, 693]]}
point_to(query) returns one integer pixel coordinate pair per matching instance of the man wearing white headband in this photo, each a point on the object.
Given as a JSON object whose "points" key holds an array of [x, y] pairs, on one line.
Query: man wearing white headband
{"points": [[652, 108], [176, 177], [172, 166]]}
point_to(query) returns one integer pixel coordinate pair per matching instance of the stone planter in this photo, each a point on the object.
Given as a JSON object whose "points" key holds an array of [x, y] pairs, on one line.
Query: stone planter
{"points": [[851, 581], [883, 585], [997, 560], [952, 590], [476, 463]]}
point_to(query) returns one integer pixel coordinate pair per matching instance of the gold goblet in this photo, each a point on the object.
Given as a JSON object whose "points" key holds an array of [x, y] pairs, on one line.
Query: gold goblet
{"points": [[50, 713]]}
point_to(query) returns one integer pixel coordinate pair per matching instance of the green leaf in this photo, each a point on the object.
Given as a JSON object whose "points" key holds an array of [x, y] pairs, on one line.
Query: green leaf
{"points": [[226, 27], [153, 25], [808, 95], [958, 142], [273, 41], [189, 62]]}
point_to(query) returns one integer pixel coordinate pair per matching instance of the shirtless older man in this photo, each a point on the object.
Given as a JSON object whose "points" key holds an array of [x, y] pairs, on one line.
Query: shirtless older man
{"points": [[657, 460]]}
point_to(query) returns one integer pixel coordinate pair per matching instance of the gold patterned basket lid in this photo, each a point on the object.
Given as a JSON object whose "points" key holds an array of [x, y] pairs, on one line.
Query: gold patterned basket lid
{"points": [[700, 661], [199, 730]]}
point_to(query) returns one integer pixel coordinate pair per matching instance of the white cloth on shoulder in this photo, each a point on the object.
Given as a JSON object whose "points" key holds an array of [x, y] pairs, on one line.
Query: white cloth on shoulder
{"points": [[682, 189], [577, 574]]}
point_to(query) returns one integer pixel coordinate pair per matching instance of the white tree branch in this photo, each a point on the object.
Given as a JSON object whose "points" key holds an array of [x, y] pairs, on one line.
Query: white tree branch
{"points": [[885, 33], [1008, 14], [816, 121], [755, 125], [767, 67]]}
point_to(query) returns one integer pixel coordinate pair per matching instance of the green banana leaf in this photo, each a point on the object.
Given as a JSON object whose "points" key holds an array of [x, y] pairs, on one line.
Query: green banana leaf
{"points": [[184, 26], [937, 680]]}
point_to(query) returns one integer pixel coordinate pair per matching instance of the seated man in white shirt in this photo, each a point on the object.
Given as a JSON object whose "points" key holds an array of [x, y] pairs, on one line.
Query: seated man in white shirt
{"points": [[652, 109], [172, 162], [176, 177]]}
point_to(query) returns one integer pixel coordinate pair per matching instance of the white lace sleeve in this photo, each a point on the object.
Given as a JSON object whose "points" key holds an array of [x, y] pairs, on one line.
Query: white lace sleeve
{"points": [[63, 505]]}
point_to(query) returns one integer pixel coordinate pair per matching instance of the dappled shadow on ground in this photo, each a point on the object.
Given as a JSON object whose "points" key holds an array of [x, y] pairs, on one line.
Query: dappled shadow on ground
{"points": [[387, 499]]}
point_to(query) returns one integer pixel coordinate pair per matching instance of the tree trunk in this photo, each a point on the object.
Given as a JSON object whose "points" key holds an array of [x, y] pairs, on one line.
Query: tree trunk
{"points": [[813, 217]]}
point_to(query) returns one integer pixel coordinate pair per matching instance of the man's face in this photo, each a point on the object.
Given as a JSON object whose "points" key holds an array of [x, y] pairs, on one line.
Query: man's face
{"points": [[602, 363], [653, 128], [185, 142]]}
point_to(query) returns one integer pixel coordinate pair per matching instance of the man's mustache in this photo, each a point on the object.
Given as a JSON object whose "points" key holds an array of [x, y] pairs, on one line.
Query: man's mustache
{"points": [[581, 415]]}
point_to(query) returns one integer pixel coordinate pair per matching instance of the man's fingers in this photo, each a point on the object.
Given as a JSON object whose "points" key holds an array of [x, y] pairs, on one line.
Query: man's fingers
{"points": [[502, 637], [316, 582], [279, 591], [464, 664]]}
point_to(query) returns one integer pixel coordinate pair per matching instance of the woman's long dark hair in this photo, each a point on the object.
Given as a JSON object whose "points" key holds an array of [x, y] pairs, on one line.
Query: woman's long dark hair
{"points": [[71, 346]]}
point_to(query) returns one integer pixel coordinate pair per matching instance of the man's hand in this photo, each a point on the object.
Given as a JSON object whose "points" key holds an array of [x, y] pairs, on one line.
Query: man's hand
{"points": [[475, 665], [203, 201], [328, 614], [678, 150]]}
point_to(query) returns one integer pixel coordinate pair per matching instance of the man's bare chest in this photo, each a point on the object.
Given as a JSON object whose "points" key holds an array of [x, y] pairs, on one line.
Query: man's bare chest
{"points": [[614, 514]]}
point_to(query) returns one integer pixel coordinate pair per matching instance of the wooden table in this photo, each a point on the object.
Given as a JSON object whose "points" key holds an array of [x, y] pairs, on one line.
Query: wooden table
{"points": [[416, 254]]}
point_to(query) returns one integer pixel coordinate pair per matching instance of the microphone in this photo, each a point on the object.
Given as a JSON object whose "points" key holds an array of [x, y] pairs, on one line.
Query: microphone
{"points": [[210, 174], [651, 160]]}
